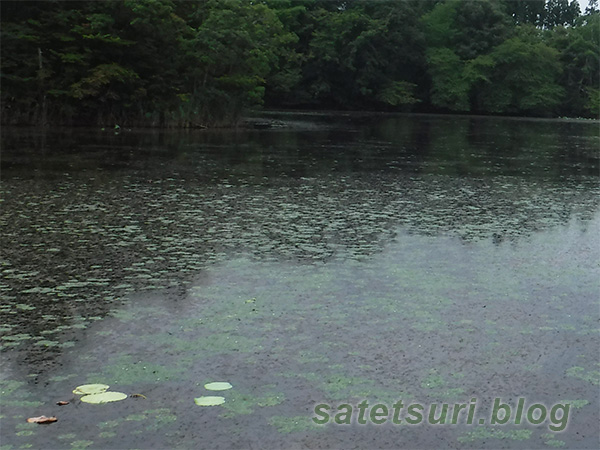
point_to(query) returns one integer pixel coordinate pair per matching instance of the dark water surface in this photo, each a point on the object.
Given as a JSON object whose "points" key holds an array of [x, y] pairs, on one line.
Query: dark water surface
{"points": [[417, 258]]}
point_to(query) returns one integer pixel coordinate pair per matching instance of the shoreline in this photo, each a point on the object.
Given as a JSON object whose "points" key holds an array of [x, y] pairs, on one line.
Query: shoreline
{"points": [[290, 119]]}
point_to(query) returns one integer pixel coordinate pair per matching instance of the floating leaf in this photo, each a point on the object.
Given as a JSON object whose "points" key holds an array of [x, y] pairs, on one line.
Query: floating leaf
{"points": [[218, 386], [42, 419], [62, 403], [87, 389], [209, 401], [104, 397]]}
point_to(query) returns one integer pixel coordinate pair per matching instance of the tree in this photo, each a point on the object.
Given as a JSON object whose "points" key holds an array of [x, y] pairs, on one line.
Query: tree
{"points": [[525, 76], [171, 63], [460, 34], [450, 89], [560, 12], [526, 11], [468, 27], [579, 49], [231, 54], [592, 7]]}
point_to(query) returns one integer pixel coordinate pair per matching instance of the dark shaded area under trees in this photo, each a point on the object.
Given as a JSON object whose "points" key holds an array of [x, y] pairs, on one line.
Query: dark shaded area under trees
{"points": [[197, 64]]}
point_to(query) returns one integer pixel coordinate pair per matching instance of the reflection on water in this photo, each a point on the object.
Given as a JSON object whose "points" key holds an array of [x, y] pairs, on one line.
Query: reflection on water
{"points": [[494, 210]]}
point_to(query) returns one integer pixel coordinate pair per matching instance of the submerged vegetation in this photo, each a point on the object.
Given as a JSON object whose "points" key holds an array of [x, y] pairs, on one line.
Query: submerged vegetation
{"points": [[268, 271], [198, 64]]}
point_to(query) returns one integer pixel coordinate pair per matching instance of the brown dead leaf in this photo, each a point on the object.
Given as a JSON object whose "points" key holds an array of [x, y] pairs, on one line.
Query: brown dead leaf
{"points": [[42, 419], [137, 396], [62, 403]]}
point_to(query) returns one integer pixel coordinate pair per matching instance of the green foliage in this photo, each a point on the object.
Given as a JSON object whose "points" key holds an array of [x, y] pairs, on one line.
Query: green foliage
{"points": [[526, 11], [398, 93], [461, 35], [593, 102], [450, 89], [439, 24], [579, 50], [560, 12], [98, 83], [198, 64], [468, 27], [364, 56], [525, 77], [230, 55]]}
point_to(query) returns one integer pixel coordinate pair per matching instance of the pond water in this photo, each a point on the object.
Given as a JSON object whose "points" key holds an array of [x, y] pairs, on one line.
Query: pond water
{"points": [[426, 259]]}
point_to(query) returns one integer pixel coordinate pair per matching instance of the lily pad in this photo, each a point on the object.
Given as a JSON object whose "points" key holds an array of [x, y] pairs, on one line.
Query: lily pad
{"points": [[104, 397], [209, 401], [218, 386], [88, 389]]}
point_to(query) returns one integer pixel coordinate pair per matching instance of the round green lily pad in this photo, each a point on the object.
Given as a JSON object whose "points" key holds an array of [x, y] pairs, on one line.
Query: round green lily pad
{"points": [[218, 386], [104, 397], [90, 389], [209, 401]]}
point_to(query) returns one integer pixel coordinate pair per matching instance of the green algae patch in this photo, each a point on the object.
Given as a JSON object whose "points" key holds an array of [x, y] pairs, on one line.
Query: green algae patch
{"points": [[433, 380], [135, 417], [17, 337], [82, 444], [158, 418], [59, 378], [66, 437], [494, 433], [108, 424], [591, 376], [107, 434], [270, 400], [12, 395], [575, 404], [126, 370], [25, 433], [47, 343], [7, 387], [242, 404], [239, 404], [291, 424], [551, 441]]}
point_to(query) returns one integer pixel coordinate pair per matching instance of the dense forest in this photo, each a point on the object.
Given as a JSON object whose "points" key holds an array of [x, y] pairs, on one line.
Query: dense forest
{"points": [[198, 64]]}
